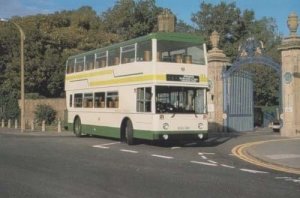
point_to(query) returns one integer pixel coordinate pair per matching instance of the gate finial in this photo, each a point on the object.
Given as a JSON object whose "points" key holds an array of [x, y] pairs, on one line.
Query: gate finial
{"points": [[214, 39], [293, 24]]}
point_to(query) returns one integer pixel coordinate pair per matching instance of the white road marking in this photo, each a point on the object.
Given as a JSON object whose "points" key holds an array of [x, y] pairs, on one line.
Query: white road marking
{"points": [[289, 179], [252, 171], [227, 166], [110, 143], [100, 146], [162, 156], [282, 177], [211, 161], [204, 163], [297, 180], [205, 153], [128, 151], [175, 147], [203, 157]]}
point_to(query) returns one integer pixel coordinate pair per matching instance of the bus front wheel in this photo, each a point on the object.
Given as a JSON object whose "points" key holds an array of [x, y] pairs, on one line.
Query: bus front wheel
{"points": [[77, 127], [129, 132]]}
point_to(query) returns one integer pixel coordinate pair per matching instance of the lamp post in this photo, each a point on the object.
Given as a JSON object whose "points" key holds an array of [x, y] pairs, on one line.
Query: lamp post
{"points": [[22, 38]]}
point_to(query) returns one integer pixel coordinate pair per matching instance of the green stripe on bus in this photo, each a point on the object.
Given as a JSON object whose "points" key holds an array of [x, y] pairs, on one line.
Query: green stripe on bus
{"points": [[114, 132]]}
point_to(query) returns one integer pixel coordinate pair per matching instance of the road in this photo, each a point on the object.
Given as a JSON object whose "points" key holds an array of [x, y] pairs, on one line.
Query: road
{"points": [[60, 165]]}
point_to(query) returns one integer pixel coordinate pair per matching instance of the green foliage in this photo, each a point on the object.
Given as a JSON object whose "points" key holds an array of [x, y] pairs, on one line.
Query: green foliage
{"points": [[44, 112], [34, 96], [52, 38], [181, 26], [234, 27], [130, 19], [266, 85], [9, 108]]}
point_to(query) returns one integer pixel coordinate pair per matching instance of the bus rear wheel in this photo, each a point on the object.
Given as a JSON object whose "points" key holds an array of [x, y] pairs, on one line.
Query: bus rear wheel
{"points": [[129, 132], [77, 127]]}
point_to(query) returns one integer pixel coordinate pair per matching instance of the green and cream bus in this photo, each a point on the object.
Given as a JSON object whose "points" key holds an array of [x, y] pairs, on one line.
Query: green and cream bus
{"points": [[152, 87]]}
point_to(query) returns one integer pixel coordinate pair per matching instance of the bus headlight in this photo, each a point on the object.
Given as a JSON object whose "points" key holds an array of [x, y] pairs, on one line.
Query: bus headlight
{"points": [[200, 125], [200, 136], [165, 137], [166, 126]]}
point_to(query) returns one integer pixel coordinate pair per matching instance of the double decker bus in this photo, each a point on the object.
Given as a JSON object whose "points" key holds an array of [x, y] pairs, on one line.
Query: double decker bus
{"points": [[152, 87]]}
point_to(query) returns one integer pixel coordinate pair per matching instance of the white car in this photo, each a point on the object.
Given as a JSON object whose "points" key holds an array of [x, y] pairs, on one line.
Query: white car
{"points": [[276, 126]]}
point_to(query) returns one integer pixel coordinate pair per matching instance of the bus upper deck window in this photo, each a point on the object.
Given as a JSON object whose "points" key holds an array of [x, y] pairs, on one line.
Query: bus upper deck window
{"points": [[70, 66], [79, 64], [128, 53], [187, 59], [101, 59], [144, 51], [89, 61], [147, 55], [114, 57], [180, 52]]}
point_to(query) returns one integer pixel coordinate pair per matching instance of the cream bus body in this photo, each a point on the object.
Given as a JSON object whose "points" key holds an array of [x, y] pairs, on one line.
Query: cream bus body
{"points": [[132, 99]]}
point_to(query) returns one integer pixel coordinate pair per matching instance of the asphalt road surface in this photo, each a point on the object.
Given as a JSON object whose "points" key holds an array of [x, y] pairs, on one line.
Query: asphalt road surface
{"points": [[48, 165]]}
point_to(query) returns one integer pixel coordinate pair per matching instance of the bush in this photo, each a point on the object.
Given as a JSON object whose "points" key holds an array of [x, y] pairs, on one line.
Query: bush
{"points": [[45, 112], [9, 107]]}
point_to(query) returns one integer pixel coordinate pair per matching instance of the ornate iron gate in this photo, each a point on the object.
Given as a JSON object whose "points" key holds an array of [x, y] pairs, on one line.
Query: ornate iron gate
{"points": [[238, 101], [238, 86]]}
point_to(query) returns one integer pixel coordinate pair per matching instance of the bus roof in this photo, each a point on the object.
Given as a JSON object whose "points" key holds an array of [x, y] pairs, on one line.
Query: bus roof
{"points": [[166, 36]]}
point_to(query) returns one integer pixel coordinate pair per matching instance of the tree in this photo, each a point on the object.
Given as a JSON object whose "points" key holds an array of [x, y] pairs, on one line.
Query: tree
{"points": [[181, 26], [130, 19], [9, 108], [234, 27]]}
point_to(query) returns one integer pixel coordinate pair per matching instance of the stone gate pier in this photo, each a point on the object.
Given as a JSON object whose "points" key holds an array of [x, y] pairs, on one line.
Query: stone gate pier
{"points": [[289, 75], [290, 55]]}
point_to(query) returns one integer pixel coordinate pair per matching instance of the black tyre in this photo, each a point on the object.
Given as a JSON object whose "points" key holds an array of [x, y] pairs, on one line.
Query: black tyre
{"points": [[77, 127], [129, 132]]}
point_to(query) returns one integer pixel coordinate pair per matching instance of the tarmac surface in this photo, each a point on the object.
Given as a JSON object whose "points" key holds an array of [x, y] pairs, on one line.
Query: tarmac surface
{"points": [[277, 153], [281, 154]]}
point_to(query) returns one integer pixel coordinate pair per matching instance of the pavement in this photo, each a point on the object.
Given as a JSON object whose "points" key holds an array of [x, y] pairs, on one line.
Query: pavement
{"points": [[281, 154]]}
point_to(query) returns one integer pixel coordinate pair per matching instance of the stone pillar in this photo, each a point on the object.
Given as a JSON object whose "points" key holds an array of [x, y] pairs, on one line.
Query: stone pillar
{"points": [[290, 54], [32, 125], [43, 126], [59, 126], [16, 123], [166, 21], [217, 62], [9, 123]]}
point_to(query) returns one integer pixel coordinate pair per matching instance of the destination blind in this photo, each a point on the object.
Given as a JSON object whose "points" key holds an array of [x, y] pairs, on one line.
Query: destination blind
{"points": [[182, 78]]}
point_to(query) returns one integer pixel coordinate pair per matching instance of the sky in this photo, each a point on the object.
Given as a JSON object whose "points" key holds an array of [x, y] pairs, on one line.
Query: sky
{"points": [[183, 9]]}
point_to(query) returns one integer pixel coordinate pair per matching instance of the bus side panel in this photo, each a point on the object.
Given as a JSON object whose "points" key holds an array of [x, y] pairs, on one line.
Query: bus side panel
{"points": [[105, 131]]}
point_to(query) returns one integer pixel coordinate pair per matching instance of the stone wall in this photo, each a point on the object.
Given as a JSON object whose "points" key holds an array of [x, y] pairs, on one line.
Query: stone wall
{"points": [[58, 104]]}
